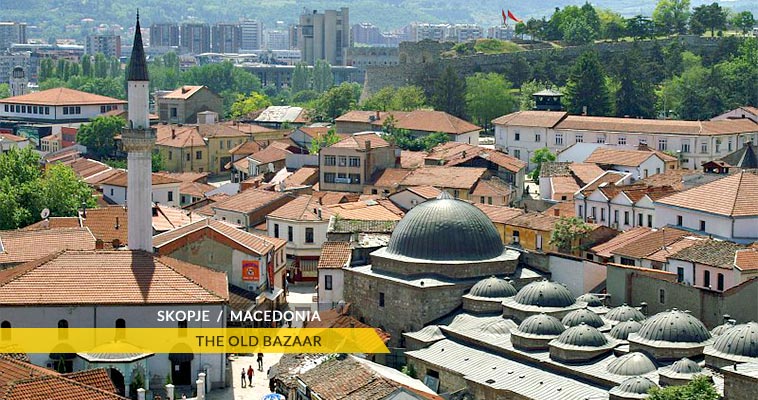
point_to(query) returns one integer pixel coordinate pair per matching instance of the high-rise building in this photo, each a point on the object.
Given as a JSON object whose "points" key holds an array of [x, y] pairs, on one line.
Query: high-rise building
{"points": [[252, 35], [227, 38], [500, 32], [324, 36], [367, 33], [196, 38], [436, 32], [164, 35], [294, 36], [108, 44], [11, 32], [465, 32], [138, 139]]}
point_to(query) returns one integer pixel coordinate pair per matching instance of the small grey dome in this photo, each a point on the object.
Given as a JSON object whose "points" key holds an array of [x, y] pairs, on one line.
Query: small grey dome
{"points": [[590, 299], [446, 230], [636, 385], [631, 364], [493, 287], [624, 313], [622, 330], [582, 316], [685, 366], [717, 331], [542, 324], [499, 327], [544, 294], [742, 340], [582, 335], [674, 326]]}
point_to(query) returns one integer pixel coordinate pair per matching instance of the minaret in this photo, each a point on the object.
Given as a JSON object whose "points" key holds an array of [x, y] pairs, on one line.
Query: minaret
{"points": [[138, 139]]}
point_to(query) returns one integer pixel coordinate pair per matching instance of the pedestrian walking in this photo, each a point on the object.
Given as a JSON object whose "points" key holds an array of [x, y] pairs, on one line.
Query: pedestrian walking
{"points": [[243, 377], [260, 362], [250, 375]]}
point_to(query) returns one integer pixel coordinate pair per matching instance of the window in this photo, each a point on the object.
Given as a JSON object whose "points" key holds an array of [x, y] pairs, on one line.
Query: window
{"points": [[626, 217], [355, 178], [6, 108], [329, 177], [579, 138], [189, 156], [221, 144], [622, 141], [381, 299], [537, 137], [170, 196], [102, 109], [729, 145], [662, 144], [645, 173], [539, 242], [650, 220], [289, 233], [581, 211], [173, 112], [602, 214], [661, 296], [489, 200], [62, 329], [720, 281], [481, 199], [184, 199], [516, 237], [517, 136], [330, 160], [198, 155], [355, 162], [342, 161], [707, 278], [616, 216], [456, 193], [627, 261], [639, 219], [600, 139], [559, 139], [111, 191], [679, 220], [680, 274], [594, 212], [704, 147], [34, 110], [658, 170], [718, 145], [65, 110], [170, 155], [229, 144], [276, 231], [5, 327], [308, 235], [517, 154], [327, 282], [78, 110], [685, 147], [702, 225]]}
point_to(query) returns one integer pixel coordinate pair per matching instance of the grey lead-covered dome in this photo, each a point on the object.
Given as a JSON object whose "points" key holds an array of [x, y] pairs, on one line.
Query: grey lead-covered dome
{"points": [[624, 313], [632, 364], [542, 324], [446, 229], [685, 366], [674, 326], [582, 335], [493, 287], [590, 299], [636, 385], [583, 316], [729, 324], [741, 340], [544, 294], [622, 330]]}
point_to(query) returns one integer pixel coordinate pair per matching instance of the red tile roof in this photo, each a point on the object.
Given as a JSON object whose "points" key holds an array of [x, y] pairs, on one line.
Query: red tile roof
{"points": [[121, 179], [86, 168], [538, 119], [249, 200], [358, 141], [536, 221], [61, 97], [412, 159], [334, 255], [433, 121], [734, 196], [427, 192], [369, 210], [302, 208], [195, 189], [183, 92], [271, 154], [259, 244], [97, 377], [327, 198], [18, 246], [444, 177], [13, 138], [492, 187], [246, 148], [562, 209], [606, 249], [671, 250], [305, 176], [628, 158], [563, 186], [585, 173], [499, 214], [54, 387], [178, 136], [636, 125], [54, 223], [746, 260], [646, 245], [389, 177], [108, 223], [128, 277]]}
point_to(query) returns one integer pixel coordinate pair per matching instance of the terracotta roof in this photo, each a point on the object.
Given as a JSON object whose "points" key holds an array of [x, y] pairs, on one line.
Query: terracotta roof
{"points": [[454, 153], [361, 226], [585, 172], [99, 177], [327, 198], [746, 260], [499, 214], [86, 168], [13, 138], [204, 206], [536, 221], [671, 250], [369, 210], [270, 154], [302, 208], [14, 370], [121, 179], [358, 141], [733, 196], [426, 192], [18, 246], [539, 119], [412, 159], [54, 387], [195, 189], [134, 277], [636, 125], [492, 187], [246, 148], [510, 163], [674, 178], [334, 255], [178, 136], [563, 209], [305, 176], [108, 223], [607, 178], [716, 253], [368, 117], [220, 131], [315, 131], [646, 245], [389, 177], [258, 244], [249, 200], [187, 176], [628, 158], [444, 177], [563, 186], [622, 239], [54, 223], [183, 92], [242, 164], [166, 217], [433, 121], [97, 377], [248, 128], [61, 97]]}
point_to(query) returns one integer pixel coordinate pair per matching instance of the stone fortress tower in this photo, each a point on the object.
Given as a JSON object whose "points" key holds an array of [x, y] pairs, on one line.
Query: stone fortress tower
{"points": [[18, 81]]}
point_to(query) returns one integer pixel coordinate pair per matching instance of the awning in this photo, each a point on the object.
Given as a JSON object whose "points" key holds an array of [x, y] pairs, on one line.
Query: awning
{"points": [[308, 265], [273, 295]]}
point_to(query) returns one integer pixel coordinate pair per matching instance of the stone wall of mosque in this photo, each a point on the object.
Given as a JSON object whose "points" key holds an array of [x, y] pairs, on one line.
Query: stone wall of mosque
{"points": [[739, 387], [469, 270], [482, 305]]}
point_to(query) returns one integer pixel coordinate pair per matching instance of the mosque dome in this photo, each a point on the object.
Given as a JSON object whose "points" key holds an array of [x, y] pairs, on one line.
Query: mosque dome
{"points": [[728, 324], [741, 340], [674, 326], [590, 299], [493, 287], [542, 324], [685, 366], [583, 316], [636, 385], [622, 330], [582, 335], [631, 364], [446, 229], [624, 313], [545, 294]]}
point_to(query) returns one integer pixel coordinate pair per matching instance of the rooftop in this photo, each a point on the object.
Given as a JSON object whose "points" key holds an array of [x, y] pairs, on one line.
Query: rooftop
{"points": [[207, 227], [303, 208], [183, 92], [61, 97], [334, 255], [732, 196], [644, 245], [627, 158], [121, 179], [444, 177], [710, 252], [19, 246], [637, 125], [248, 200], [538, 119], [280, 114], [358, 141]]}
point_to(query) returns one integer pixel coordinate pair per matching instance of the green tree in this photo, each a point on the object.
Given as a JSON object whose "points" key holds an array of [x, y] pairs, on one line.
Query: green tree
{"points": [[671, 16], [640, 27], [579, 32], [86, 62], [304, 97], [449, 93], [612, 25], [247, 104], [586, 86], [699, 388], [568, 233], [157, 162], [743, 21], [46, 69], [408, 98], [488, 96], [5, 90], [300, 78], [101, 66], [63, 191], [527, 91], [381, 100], [635, 96], [323, 78], [98, 134], [336, 101], [320, 142], [708, 16], [540, 156]]}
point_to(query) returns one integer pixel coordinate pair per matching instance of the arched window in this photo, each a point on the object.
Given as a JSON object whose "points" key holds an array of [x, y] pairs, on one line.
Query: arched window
{"points": [[120, 326], [720, 281], [62, 329], [182, 328], [5, 328]]}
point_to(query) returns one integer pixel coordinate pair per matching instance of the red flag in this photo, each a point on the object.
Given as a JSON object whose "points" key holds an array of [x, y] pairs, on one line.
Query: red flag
{"points": [[513, 17], [505, 19]]}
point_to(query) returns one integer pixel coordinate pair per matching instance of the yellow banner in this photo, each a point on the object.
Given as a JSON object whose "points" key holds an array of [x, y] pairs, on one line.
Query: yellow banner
{"points": [[191, 340]]}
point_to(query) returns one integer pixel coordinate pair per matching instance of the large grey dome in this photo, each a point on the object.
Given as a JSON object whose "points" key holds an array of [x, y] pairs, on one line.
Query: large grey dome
{"points": [[446, 229], [636, 385], [631, 364], [622, 330], [542, 324], [741, 340], [590, 299], [544, 294], [583, 316], [674, 326], [493, 287], [582, 335], [624, 313]]}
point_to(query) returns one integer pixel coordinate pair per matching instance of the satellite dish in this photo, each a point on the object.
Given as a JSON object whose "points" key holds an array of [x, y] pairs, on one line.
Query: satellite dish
{"points": [[45, 213], [270, 167]]}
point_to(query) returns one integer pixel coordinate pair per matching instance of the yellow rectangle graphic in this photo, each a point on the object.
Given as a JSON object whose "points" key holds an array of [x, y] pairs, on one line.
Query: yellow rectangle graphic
{"points": [[190, 340]]}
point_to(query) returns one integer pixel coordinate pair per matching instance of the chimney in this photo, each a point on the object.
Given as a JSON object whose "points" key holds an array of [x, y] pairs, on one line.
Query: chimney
{"points": [[116, 243], [377, 115], [173, 133], [368, 145], [643, 307], [117, 224], [319, 214], [463, 154], [99, 244], [557, 212]]}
